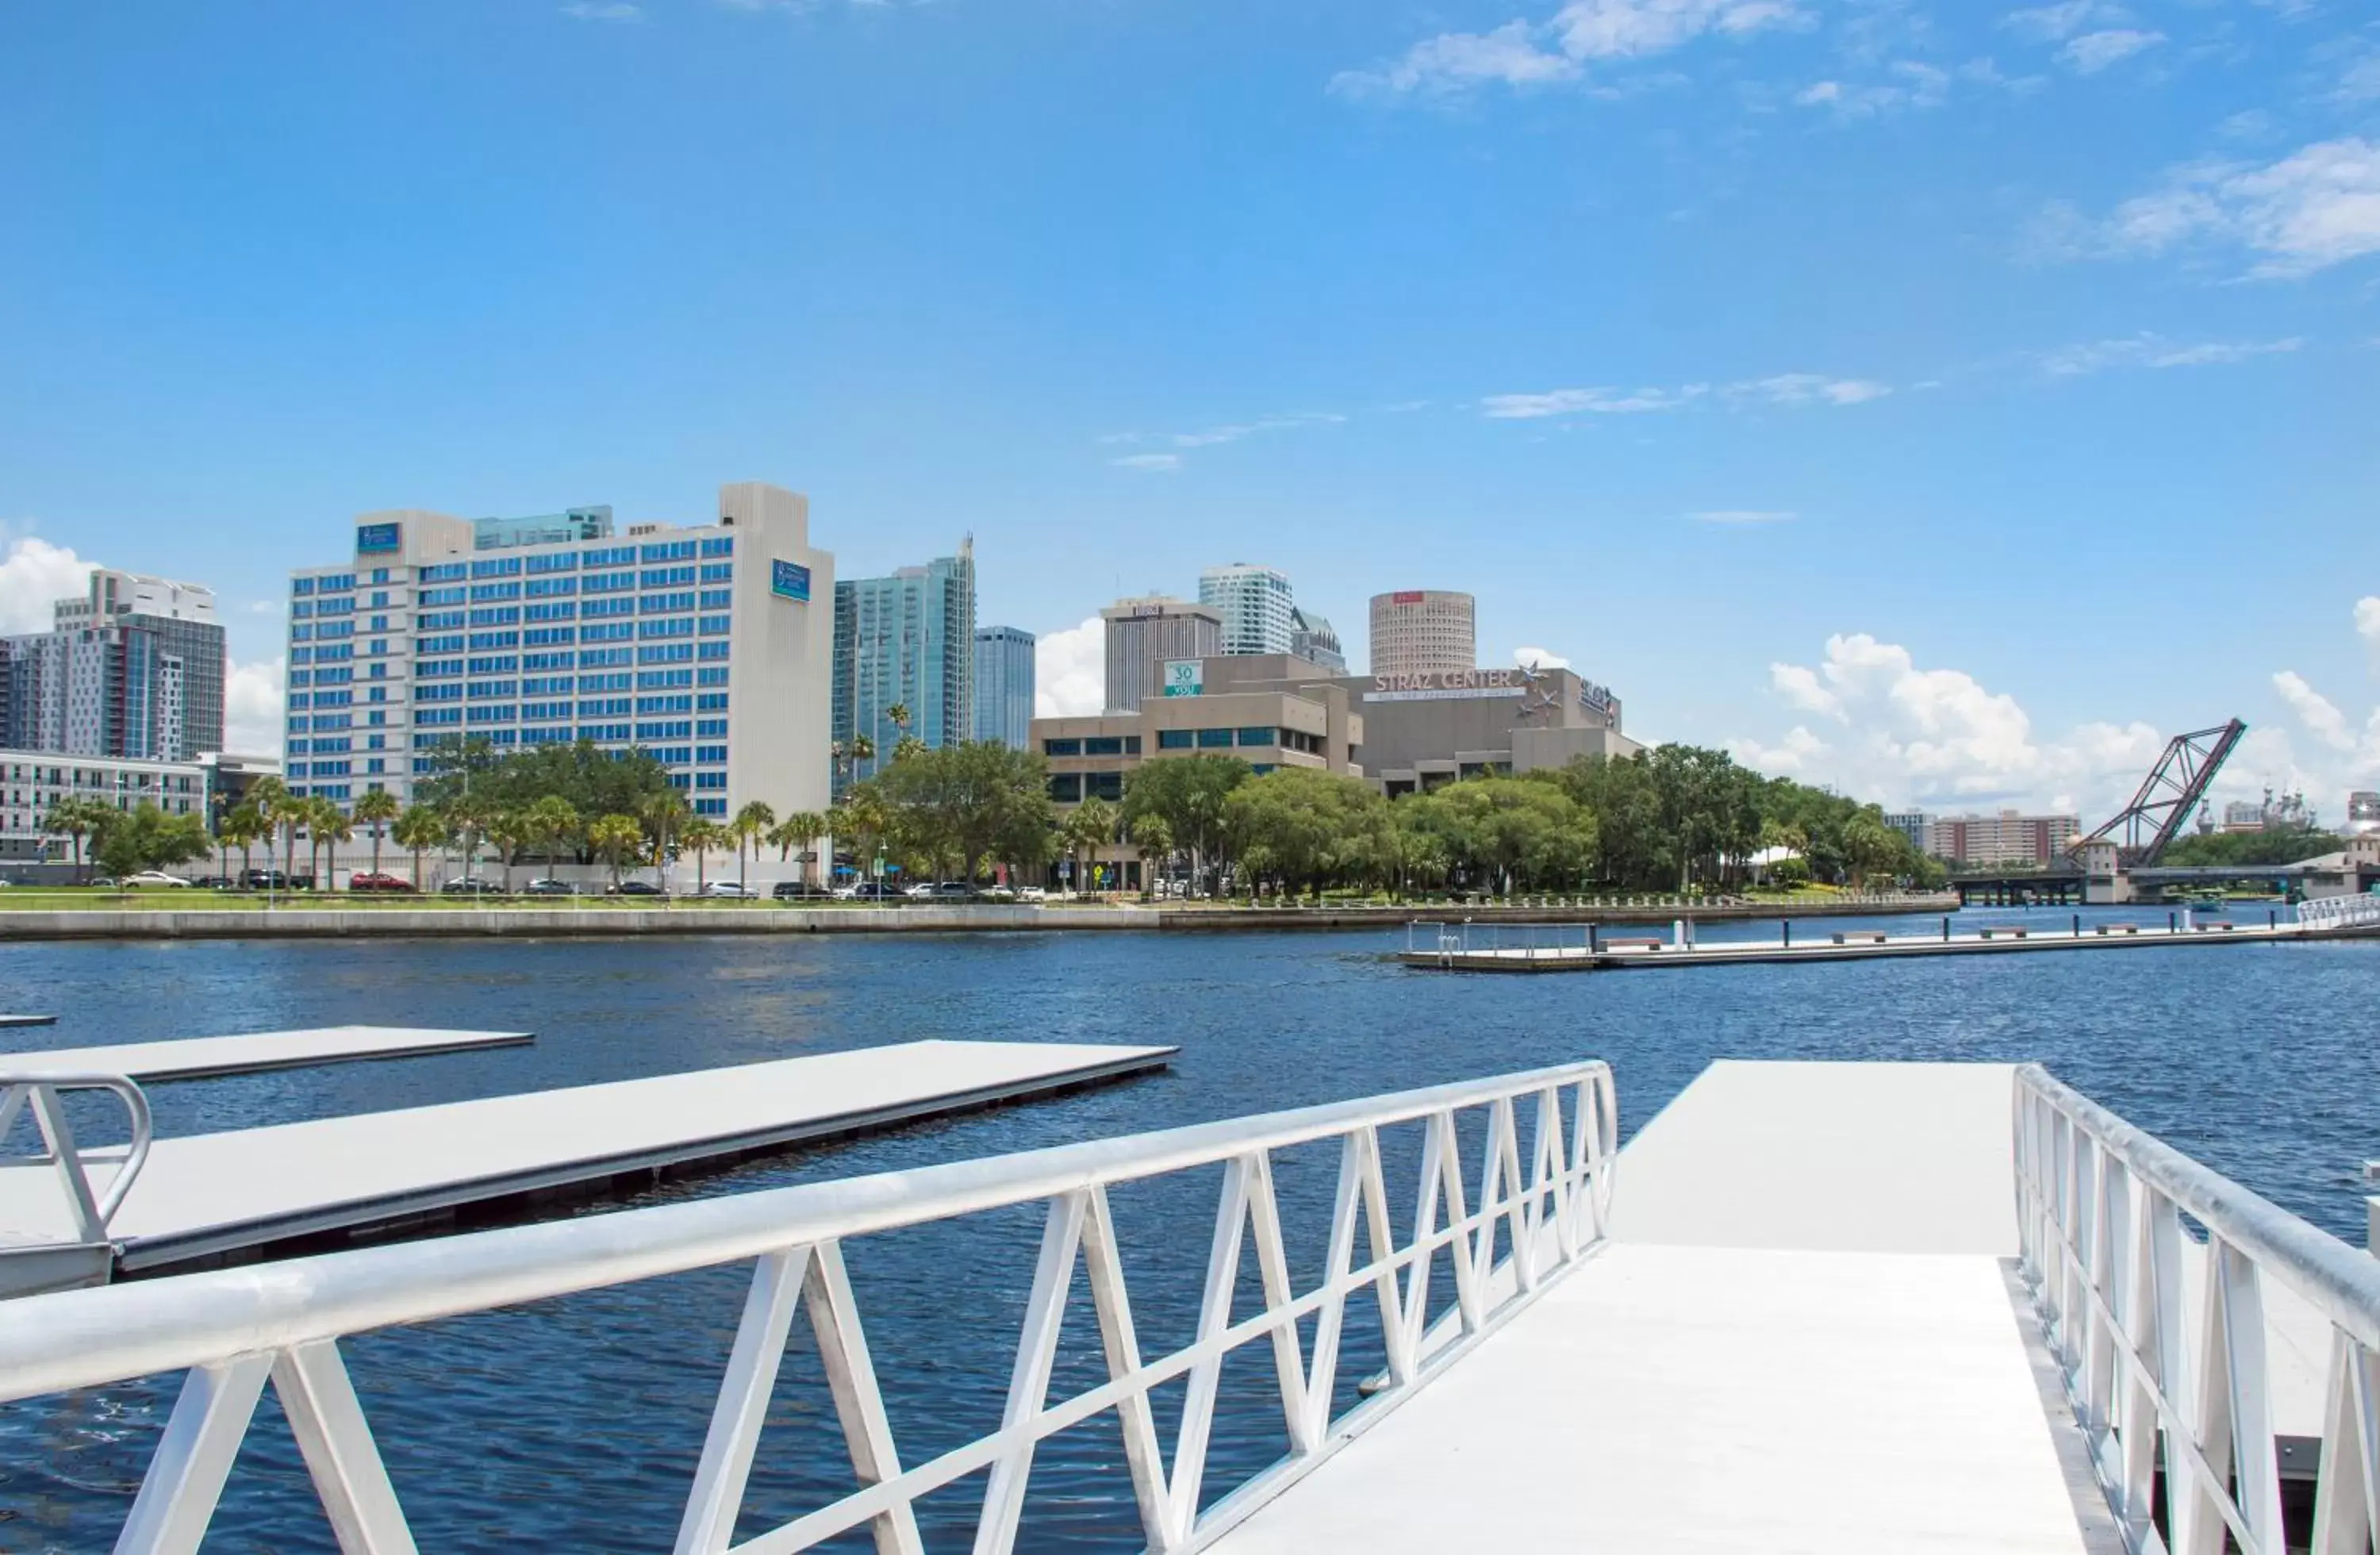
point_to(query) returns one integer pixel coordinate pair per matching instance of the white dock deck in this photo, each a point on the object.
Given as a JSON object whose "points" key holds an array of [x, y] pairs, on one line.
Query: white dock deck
{"points": [[7, 1021], [1801, 1339], [216, 1193], [192, 1058]]}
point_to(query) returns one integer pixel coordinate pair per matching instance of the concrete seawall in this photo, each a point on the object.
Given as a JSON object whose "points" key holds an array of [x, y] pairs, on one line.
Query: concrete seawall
{"points": [[200, 923]]}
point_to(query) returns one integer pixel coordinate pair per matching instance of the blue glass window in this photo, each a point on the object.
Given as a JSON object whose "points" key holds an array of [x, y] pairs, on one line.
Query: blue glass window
{"points": [[1177, 739]]}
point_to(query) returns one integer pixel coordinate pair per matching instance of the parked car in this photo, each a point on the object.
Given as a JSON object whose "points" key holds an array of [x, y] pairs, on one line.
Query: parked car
{"points": [[952, 891], [799, 891], [729, 891], [549, 888], [155, 877], [633, 888], [266, 880], [871, 891], [470, 885], [998, 893], [919, 891], [365, 879], [204, 882], [1032, 893]]}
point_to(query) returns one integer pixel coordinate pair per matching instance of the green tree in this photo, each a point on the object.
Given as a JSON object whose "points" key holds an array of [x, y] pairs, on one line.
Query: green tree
{"points": [[751, 823], [242, 828], [958, 808], [376, 808], [549, 822], [283, 813], [326, 827], [701, 835], [616, 837], [1152, 836], [1190, 792], [1869, 847], [1091, 827], [1302, 829], [801, 830], [1507, 834], [145, 837], [509, 831], [468, 818], [664, 815], [419, 829], [76, 818]]}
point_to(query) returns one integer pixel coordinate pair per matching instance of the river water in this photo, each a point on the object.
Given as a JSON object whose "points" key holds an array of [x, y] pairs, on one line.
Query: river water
{"points": [[574, 1424]]}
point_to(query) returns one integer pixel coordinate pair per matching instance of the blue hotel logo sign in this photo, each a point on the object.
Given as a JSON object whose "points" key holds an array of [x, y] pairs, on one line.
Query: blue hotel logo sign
{"points": [[789, 580], [379, 538]]}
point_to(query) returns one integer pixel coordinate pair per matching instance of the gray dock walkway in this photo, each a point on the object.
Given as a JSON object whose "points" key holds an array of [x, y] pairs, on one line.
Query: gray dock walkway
{"points": [[211, 1194], [1626, 954], [8, 1021], [193, 1058]]}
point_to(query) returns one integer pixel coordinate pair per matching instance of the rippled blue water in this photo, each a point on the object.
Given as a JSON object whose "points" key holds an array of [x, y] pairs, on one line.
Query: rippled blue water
{"points": [[574, 1424]]}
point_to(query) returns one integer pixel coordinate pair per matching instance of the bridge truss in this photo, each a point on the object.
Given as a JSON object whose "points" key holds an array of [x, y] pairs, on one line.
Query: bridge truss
{"points": [[2168, 796]]}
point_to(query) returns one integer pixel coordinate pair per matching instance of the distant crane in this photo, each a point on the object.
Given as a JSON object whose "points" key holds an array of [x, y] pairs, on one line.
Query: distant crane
{"points": [[2168, 796]]}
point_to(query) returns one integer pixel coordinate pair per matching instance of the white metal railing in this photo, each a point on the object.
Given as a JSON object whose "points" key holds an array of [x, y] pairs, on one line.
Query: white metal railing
{"points": [[233, 1329], [2100, 1207], [43, 1094], [2339, 912]]}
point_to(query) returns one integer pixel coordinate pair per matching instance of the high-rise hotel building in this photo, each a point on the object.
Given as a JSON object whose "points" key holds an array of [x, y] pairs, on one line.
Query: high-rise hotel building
{"points": [[710, 646]]}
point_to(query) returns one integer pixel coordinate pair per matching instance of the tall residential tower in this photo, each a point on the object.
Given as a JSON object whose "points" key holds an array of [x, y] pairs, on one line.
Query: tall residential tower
{"points": [[133, 667], [1004, 685], [1258, 615], [906, 641]]}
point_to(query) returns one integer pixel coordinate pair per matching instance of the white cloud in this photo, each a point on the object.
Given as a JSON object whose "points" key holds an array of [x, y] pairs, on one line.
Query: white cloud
{"points": [[35, 574], [593, 10], [1207, 437], [2317, 712], [1600, 402], [1913, 84], [1744, 516], [1538, 658], [253, 705], [1154, 464], [2317, 207], [1807, 388], [2154, 351], [2367, 625], [1525, 53], [1070, 671], [1937, 738], [1784, 388], [2093, 52], [2047, 24]]}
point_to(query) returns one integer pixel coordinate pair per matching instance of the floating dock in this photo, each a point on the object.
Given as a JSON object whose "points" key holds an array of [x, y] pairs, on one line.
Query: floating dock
{"points": [[1579, 948], [1804, 1334], [193, 1058], [7, 1021], [216, 1197]]}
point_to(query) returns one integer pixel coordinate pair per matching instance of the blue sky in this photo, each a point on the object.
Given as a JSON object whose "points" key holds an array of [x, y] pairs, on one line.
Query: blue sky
{"points": [[1947, 402]]}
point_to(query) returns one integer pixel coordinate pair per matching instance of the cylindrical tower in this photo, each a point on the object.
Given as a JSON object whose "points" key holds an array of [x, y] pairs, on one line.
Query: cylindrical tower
{"points": [[1422, 631]]}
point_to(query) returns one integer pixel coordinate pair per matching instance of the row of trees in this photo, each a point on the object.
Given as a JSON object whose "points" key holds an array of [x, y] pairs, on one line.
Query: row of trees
{"points": [[126, 842]]}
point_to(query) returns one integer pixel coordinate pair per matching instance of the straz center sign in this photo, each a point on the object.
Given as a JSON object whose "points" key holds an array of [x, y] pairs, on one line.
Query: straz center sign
{"points": [[1446, 686], [379, 539], [789, 580]]}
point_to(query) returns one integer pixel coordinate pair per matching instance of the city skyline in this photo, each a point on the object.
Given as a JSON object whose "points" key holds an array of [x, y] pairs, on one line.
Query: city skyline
{"points": [[1707, 346]]}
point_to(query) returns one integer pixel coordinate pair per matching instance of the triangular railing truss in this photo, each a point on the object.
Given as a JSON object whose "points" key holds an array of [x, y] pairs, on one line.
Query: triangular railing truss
{"points": [[1551, 1203]]}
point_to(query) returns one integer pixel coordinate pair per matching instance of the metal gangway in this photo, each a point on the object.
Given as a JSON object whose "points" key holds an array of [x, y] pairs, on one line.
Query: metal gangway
{"points": [[1839, 1306]]}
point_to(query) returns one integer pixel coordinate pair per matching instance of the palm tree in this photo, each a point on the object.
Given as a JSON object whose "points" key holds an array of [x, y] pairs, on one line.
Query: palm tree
{"points": [[898, 716], [509, 830], [702, 835], [420, 829], [750, 823], [240, 828], [549, 820], [665, 815], [277, 806], [1154, 838], [376, 808], [1089, 829], [326, 827], [467, 819], [75, 818], [615, 837], [799, 830]]}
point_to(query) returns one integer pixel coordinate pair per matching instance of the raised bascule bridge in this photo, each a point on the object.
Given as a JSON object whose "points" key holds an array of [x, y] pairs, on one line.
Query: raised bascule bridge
{"points": [[1840, 1308]]}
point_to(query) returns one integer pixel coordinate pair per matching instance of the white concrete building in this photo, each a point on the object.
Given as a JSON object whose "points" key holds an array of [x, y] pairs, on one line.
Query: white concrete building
{"points": [[711, 646], [31, 781], [1258, 615]]}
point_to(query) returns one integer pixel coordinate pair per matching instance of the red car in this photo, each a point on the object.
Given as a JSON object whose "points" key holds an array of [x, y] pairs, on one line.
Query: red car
{"points": [[367, 881]]}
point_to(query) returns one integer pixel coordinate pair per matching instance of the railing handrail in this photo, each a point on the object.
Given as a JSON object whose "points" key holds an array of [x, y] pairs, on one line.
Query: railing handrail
{"points": [[2341, 1282], [38, 1089], [89, 1337]]}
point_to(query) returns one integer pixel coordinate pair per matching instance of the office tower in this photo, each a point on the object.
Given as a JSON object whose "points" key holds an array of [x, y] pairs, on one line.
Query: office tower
{"points": [[906, 640], [1314, 640], [1254, 605], [1422, 631], [1144, 634], [1003, 684]]}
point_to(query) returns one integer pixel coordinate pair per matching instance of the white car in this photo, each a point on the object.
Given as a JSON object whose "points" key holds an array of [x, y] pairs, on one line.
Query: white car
{"points": [[845, 892], [728, 891], [1032, 893], [154, 877], [924, 890]]}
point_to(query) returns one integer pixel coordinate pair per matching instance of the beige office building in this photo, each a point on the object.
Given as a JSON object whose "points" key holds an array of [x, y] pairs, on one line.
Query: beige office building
{"points": [[1144, 634], [1424, 632]]}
